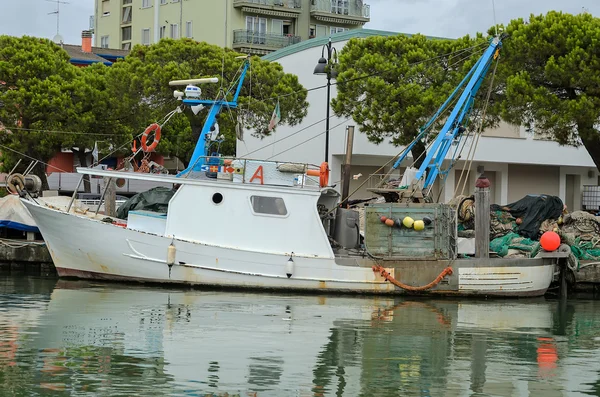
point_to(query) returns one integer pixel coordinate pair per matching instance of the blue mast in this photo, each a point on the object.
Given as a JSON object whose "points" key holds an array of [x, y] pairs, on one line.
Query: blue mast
{"points": [[200, 152], [453, 127]]}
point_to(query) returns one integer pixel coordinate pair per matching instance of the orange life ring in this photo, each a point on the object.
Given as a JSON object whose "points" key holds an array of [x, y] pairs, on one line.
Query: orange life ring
{"points": [[324, 174], [152, 127]]}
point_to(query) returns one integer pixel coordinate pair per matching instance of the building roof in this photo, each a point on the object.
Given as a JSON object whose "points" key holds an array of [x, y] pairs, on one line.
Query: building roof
{"points": [[80, 57], [110, 53], [335, 38]]}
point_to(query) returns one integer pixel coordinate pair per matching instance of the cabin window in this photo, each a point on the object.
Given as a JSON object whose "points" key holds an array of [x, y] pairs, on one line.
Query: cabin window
{"points": [[268, 205], [217, 198]]}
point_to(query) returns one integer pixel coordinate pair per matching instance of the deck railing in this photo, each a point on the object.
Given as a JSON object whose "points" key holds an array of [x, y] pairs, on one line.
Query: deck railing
{"points": [[264, 39], [351, 8]]}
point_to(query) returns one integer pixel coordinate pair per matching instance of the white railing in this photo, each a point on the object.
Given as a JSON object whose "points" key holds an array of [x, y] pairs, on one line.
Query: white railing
{"points": [[68, 181]]}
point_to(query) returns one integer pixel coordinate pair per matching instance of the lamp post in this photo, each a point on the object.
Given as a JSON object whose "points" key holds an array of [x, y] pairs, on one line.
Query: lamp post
{"points": [[326, 66]]}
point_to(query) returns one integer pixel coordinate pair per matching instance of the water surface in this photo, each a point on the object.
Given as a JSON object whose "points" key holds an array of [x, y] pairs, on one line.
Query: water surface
{"points": [[60, 338]]}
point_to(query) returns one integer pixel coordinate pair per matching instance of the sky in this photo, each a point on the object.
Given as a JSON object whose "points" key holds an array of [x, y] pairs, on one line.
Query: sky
{"points": [[441, 18]]}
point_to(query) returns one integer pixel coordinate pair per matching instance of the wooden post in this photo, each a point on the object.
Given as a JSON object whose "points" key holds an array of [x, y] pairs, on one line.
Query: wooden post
{"points": [[482, 217], [110, 205], [347, 167]]}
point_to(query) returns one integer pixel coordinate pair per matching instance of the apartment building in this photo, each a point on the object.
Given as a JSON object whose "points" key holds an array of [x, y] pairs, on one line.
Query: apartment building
{"points": [[249, 26]]}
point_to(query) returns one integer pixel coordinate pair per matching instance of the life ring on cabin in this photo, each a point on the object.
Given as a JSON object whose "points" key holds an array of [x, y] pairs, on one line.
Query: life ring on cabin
{"points": [[322, 173], [152, 127]]}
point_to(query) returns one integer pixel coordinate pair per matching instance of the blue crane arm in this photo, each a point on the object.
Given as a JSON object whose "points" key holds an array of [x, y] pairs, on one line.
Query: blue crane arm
{"points": [[199, 156], [454, 124]]}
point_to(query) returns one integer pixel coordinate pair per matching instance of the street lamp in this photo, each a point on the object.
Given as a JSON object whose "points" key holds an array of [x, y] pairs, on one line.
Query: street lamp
{"points": [[327, 66]]}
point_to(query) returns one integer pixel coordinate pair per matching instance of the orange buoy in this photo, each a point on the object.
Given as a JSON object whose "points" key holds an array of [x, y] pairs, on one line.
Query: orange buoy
{"points": [[383, 219], [389, 222], [550, 241], [152, 127]]}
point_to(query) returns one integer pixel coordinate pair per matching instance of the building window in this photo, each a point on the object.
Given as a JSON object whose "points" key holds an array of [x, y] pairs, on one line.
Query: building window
{"points": [[174, 31], [145, 3], [126, 46], [163, 2], [105, 8], [340, 6], [277, 27], [126, 15], [268, 205], [188, 30], [334, 30], [127, 2], [104, 42], [257, 29], [126, 33], [321, 30], [162, 31], [146, 36]]}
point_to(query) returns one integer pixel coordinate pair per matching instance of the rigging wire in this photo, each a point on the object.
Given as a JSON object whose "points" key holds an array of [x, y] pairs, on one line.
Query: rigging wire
{"points": [[476, 138], [309, 126]]}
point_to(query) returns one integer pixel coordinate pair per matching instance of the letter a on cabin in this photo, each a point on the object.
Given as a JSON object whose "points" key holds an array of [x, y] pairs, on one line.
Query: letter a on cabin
{"points": [[258, 174]]}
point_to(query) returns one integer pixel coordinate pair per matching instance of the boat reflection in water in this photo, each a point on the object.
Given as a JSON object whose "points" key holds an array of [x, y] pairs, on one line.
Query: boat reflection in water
{"points": [[115, 340]]}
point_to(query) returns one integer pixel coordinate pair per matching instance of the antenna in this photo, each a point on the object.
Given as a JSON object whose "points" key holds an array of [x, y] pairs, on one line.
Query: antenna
{"points": [[495, 22], [57, 12], [207, 80]]}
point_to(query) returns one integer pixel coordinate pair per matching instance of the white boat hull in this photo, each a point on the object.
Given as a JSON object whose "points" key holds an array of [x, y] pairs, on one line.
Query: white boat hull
{"points": [[82, 247]]}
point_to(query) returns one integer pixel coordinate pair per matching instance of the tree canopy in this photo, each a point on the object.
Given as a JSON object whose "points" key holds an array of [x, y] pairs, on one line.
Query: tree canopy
{"points": [[34, 76], [391, 86], [142, 81], [552, 69], [47, 104]]}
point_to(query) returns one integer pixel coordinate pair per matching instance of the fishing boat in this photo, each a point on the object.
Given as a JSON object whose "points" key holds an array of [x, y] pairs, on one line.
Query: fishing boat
{"points": [[246, 223]]}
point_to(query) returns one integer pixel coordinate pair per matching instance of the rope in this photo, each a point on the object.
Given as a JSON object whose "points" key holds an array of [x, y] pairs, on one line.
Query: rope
{"points": [[388, 277], [10, 243]]}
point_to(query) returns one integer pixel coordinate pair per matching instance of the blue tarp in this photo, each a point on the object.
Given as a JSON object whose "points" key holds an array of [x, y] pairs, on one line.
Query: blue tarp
{"points": [[14, 215], [18, 226]]}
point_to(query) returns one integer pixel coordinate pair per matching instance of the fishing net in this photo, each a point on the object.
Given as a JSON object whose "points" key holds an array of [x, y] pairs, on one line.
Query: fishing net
{"points": [[465, 211], [513, 245], [533, 211], [501, 223]]}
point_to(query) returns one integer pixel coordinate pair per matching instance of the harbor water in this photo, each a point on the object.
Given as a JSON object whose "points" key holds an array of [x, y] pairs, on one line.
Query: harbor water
{"points": [[76, 338]]}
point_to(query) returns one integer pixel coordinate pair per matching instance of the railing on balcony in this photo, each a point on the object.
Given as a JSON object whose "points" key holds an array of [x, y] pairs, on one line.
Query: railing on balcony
{"points": [[263, 39], [293, 4], [343, 8]]}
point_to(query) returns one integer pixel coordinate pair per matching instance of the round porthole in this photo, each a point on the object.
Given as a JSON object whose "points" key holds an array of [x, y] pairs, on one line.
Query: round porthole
{"points": [[217, 198]]}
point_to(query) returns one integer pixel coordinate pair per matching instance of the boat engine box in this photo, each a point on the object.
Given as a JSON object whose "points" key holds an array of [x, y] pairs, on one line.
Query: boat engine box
{"points": [[147, 221], [347, 228], [400, 231]]}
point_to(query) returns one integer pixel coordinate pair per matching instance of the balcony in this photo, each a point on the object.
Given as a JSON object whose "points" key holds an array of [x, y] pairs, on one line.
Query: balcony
{"points": [[351, 12], [252, 42], [275, 8]]}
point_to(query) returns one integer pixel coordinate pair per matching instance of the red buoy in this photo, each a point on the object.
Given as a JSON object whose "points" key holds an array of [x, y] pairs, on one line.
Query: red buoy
{"points": [[550, 241]]}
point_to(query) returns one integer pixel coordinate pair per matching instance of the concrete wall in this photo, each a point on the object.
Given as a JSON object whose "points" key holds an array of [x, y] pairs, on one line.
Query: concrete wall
{"points": [[532, 179]]}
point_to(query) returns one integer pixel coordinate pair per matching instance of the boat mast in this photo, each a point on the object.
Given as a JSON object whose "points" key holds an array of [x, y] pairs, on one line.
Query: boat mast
{"points": [[200, 152], [431, 166]]}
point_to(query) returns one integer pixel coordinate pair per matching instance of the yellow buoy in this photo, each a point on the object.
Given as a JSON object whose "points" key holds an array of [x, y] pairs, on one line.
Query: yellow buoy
{"points": [[408, 222], [419, 225]]}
